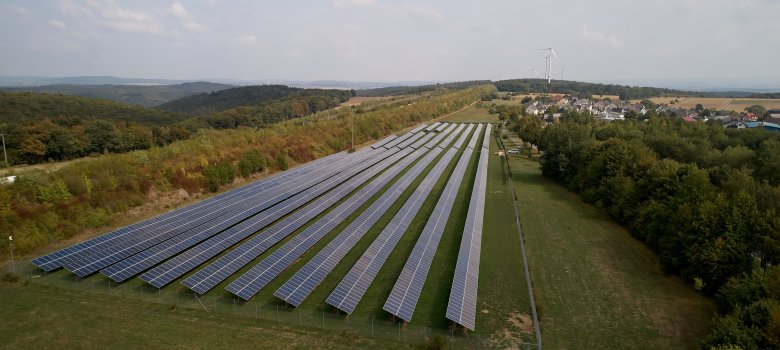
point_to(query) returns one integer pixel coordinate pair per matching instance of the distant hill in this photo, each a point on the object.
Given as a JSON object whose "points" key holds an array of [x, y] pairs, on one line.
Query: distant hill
{"points": [[406, 90], [579, 88], [22, 107], [144, 95], [21, 81], [247, 96]]}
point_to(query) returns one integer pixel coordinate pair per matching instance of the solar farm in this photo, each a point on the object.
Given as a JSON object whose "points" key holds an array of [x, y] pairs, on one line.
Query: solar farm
{"points": [[320, 234]]}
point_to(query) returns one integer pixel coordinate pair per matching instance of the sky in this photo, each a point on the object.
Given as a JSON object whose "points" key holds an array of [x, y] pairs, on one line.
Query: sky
{"points": [[383, 40]]}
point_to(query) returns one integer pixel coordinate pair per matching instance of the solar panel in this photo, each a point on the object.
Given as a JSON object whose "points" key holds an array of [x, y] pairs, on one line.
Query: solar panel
{"points": [[418, 128], [353, 286], [214, 273], [441, 126], [406, 291], [397, 140], [462, 304], [473, 143], [410, 140], [432, 126], [297, 288], [383, 141], [451, 136], [417, 144], [222, 220], [269, 268], [53, 260], [469, 132]]}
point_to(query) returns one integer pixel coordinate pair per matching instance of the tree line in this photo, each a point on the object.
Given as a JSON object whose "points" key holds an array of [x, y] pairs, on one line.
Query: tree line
{"points": [[586, 90], [705, 198], [93, 194]]}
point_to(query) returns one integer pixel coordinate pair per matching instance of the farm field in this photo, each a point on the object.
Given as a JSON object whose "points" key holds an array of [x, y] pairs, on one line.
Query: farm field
{"points": [[502, 314], [597, 287], [719, 103]]}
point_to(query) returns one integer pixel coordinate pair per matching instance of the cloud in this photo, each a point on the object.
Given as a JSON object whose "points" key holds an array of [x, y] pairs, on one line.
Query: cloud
{"points": [[19, 10], [58, 24], [246, 39], [178, 10], [109, 14], [340, 3], [423, 14], [599, 37]]}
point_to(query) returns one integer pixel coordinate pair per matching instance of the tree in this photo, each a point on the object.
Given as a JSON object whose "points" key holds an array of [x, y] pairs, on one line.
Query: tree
{"points": [[530, 129], [758, 110], [699, 107]]}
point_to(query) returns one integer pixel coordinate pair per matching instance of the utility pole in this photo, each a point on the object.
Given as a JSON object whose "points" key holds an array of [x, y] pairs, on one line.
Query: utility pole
{"points": [[11, 245], [4, 153]]}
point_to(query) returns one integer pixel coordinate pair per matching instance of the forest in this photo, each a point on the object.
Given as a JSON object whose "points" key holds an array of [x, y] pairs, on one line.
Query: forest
{"points": [[208, 103], [705, 198], [586, 90], [46, 127], [93, 194], [143, 95]]}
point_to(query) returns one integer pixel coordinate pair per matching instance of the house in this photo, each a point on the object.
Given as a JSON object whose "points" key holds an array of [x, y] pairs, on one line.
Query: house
{"points": [[532, 110], [735, 124], [764, 125], [749, 116], [689, 118]]}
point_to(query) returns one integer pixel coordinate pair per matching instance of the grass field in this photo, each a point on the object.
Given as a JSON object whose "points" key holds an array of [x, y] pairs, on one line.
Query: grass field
{"points": [[596, 286], [470, 114], [736, 104]]}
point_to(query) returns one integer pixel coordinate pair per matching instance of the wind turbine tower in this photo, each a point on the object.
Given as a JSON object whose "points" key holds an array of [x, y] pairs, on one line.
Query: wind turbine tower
{"points": [[548, 67]]}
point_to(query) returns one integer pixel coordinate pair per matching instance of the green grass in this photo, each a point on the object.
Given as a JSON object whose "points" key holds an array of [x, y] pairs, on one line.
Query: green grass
{"points": [[470, 114], [596, 286], [41, 317]]}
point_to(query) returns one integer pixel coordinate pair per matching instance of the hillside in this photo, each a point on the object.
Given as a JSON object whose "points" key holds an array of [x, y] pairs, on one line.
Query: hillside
{"points": [[406, 90], [207, 103], [144, 95], [21, 107]]}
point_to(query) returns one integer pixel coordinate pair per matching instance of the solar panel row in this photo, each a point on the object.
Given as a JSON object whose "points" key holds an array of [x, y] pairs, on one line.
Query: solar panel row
{"points": [[136, 264], [353, 286], [448, 139], [462, 304], [214, 273], [383, 141], [53, 260], [406, 291], [441, 126], [418, 128], [222, 218], [397, 140], [432, 126], [410, 140], [297, 288]]}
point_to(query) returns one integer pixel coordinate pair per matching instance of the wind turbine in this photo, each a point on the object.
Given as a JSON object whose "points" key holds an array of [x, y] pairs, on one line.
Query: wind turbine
{"points": [[563, 71], [548, 68], [535, 72]]}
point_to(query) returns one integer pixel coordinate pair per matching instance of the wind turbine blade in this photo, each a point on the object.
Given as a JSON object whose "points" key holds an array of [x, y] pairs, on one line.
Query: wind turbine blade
{"points": [[553, 52]]}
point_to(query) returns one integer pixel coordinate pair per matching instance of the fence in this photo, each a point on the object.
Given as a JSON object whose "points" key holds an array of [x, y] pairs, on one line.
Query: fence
{"points": [[381, 327]]}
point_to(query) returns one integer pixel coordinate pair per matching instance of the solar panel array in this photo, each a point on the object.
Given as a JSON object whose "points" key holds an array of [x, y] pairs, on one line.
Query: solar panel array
{"points": [[403, 298], [303, 282], [54, 260], [255, 218], [353, 286], [220, 219], [214, 273], [174, 268], [462, 305]]}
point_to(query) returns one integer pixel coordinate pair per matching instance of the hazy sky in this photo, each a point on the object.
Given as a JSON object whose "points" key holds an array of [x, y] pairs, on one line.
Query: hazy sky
{"points": [[378, 40]]}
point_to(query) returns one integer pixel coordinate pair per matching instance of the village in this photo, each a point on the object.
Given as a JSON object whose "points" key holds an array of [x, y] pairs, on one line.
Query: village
{"points": [[549, 108]]}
